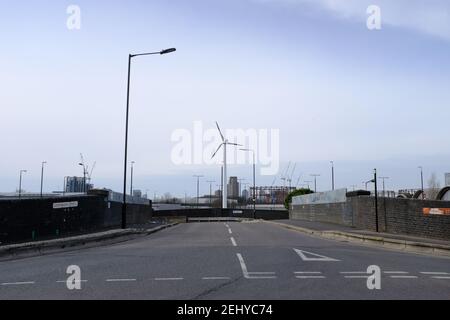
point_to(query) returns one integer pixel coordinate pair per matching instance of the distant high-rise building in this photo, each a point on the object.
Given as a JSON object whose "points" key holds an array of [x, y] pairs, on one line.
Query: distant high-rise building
{"points": [[447, 179], [137, 193], [233, 187], [77, 185], [245, 194]]}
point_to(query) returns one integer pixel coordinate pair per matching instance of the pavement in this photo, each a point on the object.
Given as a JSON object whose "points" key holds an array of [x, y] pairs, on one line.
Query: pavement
{"points": [[386, 240], [75, 242], [227, 261], [323, 226]]}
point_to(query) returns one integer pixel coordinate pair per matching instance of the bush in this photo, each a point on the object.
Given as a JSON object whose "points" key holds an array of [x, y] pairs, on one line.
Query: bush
{"points": [[295, 193]]}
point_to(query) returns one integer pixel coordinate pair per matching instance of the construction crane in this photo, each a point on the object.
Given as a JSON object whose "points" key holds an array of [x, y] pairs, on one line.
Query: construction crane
{"points": [[298, 180], [291, 176], [87, 174], [284, 177]]}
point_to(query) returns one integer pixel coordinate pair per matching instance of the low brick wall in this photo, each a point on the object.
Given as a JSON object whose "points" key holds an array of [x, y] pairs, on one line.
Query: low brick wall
{"points": [[337, 213], [398, 216], [37, 219]]}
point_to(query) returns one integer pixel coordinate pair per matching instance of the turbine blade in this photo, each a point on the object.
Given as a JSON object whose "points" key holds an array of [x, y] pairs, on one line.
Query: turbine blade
{"points": [[220, 131], [217, 151], [235, 144]]}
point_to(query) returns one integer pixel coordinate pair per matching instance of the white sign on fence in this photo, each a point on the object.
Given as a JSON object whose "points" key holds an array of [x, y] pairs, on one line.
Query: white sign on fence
{"points": [[65, 205], [336, 196]]}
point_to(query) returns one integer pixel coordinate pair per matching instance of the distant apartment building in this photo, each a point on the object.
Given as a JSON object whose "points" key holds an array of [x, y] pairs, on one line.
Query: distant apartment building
{"points": [[447, 179], [77, 185], [233, 188]]}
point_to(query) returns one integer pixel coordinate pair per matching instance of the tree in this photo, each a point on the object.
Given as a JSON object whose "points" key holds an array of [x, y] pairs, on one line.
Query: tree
{"points": [[295, 193]]}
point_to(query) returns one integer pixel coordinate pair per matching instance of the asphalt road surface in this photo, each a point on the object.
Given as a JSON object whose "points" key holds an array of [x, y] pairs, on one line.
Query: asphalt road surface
{"points": [[228, 261]]}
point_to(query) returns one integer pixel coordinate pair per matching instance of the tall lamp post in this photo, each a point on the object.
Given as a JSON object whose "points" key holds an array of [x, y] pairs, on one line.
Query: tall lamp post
{"points": [[421, 179], [254, 180], [332, 175], [384, 187], [84, 176], [308, 183], [375, 181], [198, 188], [124, 204], [315, 181], [210, 192], [42, 176], [131, 179], [20, 182]]}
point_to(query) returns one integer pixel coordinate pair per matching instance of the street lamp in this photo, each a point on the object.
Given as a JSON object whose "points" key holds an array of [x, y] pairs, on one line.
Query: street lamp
{"points": [[124, 204], [315, 181], [131, 182], [84, 176], [384, 189], [375, 182], [42, 176], [210, 192], [421, 179], [20, 182], [254, 179], [308, 183], [376, 197], [198, 188], [332, 175]]}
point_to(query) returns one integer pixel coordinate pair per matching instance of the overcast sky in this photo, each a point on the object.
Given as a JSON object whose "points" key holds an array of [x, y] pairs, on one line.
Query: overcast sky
{"points": [[311, 69]]}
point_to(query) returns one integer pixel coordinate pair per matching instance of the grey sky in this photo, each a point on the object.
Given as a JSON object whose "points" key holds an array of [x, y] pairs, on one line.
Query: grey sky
{"points": [[334, 89]]}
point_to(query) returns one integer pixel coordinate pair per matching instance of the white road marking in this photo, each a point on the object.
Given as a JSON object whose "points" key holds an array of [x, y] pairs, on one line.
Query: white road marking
{"points": [[120, 280], [18, 283], [355, 274], [310, 277], [253, 275], [233, 242], [396, 272], [229, 231], [216, 278], [436, 273], [316, 257], [75, 281], [168, 279], [404, 277], [308, 272]]}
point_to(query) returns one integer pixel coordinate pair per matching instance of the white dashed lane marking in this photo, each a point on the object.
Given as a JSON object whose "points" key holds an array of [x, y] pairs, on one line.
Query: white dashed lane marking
{"points": [[435, 273], [233, 242], [121, 280], [216, 278], [18, 283], [169, 279]]}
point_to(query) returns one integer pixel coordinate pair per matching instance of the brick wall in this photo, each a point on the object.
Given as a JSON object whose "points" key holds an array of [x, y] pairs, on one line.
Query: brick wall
{"points": [[399, 216], [36, 219], [338, 213]]}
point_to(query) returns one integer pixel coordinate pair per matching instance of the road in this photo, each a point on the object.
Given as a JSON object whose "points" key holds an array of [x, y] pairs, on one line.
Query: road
{"points": [[252, 260]]}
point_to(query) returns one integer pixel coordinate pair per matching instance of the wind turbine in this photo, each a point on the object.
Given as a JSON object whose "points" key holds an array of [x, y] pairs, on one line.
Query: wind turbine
{"points": [[224, 144]]}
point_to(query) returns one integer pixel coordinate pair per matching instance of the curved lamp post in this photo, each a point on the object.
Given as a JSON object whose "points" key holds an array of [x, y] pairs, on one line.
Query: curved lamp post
{"points": [[130, 57]]}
